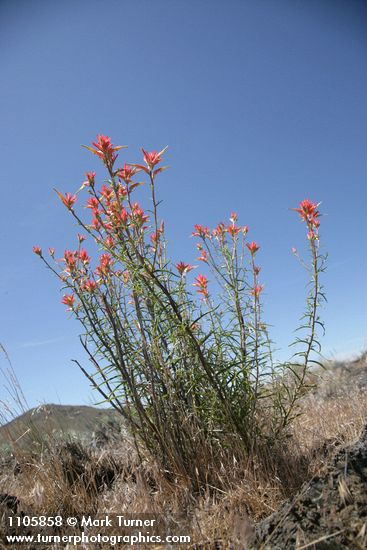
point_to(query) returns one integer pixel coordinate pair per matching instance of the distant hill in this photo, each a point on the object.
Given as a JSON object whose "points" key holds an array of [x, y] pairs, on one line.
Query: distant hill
{"points": [[38, 425]]}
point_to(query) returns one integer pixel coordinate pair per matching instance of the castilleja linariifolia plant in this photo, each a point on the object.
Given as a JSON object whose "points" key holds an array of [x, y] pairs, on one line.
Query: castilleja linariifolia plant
{"points": [[183, 353]]}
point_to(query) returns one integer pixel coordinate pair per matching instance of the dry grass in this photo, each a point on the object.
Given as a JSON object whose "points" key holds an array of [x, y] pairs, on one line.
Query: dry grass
{"points": [[336, 412], [75, 480]]}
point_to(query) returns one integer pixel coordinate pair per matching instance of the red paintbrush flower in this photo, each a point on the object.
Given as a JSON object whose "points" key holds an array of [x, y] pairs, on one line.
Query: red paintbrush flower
{"points": [[253, 247], [201, 231], [203, 256], [218, 232], [138, 214], [107, 193], [90, 286], [104, 149], [257, 290], [90, 179], [308, 212], [68, 300], [233, 230], [201, 282], [183, 268], [127, 172], [83, 256], [92, 203], [67, 199], [151, 160]]}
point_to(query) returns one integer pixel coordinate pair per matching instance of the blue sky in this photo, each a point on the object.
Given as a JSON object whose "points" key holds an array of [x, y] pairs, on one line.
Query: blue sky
{"points": [[262, 104]]}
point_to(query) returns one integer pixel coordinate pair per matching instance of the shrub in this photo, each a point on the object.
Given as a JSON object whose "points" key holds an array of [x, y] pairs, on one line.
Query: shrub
{"points": [[185, 359]]}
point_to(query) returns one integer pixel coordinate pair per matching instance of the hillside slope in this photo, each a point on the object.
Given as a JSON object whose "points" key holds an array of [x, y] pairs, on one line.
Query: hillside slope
{"points": [[52, 421]]}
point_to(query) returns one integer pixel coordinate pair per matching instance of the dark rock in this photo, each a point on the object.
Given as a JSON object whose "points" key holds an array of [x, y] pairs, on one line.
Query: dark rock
{"points": [[329, 512], [10, 502]]}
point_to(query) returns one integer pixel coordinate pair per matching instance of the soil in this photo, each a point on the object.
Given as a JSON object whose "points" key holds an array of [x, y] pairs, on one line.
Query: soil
{"points": [[330, 512]]}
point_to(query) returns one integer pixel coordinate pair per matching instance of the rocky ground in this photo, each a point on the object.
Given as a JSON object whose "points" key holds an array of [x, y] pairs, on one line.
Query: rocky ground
{"points": [[329, 512]]}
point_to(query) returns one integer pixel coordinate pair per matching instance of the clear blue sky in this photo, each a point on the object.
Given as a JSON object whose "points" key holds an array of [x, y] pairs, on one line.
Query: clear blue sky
{"points": [[262, 104]]}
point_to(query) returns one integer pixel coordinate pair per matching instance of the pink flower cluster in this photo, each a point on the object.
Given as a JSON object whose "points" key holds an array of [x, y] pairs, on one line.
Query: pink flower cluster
{"points": [[219, 234], [309, 213], [117, 219], [220, 230], [114, 217], [201, 282]]}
